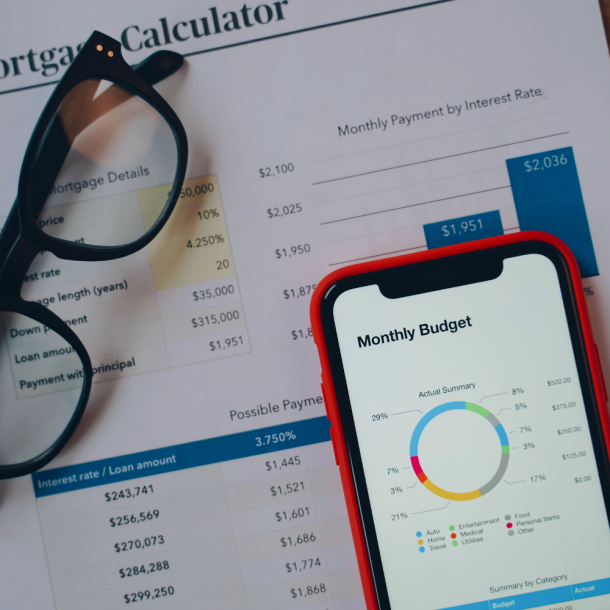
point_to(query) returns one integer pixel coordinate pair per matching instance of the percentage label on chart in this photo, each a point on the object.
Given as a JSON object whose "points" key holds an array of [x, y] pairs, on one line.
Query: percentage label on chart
{"points": [[400, 516], [589, 291], [380, 416], [520, 406], [527, 446], [396, 490], [538, 477], [518, 391], [393, 470], [525, 429]]}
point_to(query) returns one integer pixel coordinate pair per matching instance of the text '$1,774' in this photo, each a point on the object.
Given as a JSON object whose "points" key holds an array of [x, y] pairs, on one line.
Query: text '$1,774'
{"points": [[304, 564]]}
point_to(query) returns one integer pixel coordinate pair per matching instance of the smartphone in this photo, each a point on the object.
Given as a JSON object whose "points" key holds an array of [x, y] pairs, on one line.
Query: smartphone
{"points": [[469, 421]]}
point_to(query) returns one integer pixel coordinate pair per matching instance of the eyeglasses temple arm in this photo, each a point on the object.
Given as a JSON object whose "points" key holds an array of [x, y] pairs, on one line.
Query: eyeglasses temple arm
{"points": [[159, 66]]}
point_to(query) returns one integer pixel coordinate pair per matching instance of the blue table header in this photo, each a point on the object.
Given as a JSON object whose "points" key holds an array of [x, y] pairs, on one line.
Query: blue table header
{"points": [[180, 457]]}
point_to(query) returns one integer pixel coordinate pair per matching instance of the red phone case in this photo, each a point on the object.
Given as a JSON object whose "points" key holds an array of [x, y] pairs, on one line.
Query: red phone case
{"points": [[328, 390]]}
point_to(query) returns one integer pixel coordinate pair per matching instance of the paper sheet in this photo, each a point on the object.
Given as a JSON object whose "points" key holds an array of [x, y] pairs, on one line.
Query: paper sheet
{"points": [[332, 132]]}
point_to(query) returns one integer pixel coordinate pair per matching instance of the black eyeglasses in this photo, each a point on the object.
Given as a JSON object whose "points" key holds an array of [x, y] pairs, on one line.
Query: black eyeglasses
{"points": [[104, 133]]}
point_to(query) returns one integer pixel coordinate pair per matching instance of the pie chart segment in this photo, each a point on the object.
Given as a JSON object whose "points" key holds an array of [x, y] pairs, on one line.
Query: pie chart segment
{"points": [[504, 448]]}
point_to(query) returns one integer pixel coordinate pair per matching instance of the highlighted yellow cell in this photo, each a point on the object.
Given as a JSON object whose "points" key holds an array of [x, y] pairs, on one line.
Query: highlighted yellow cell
{"points": [[201, 216], [193, 270], [194, 191], [450, 495], [188, 245]]}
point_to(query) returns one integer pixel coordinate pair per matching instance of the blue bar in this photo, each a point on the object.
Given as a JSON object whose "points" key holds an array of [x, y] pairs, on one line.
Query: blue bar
{"points": [[463, 229], [591, 589], [180, 457], [535, 599], [473, 606], [547, 195]]}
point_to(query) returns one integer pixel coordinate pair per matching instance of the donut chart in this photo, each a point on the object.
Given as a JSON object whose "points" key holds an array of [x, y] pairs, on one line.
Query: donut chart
{"points": [[457, 406]]}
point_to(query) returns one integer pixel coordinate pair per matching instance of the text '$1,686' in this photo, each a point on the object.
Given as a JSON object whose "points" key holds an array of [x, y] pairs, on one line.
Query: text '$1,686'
{"points": [[300, 539]]}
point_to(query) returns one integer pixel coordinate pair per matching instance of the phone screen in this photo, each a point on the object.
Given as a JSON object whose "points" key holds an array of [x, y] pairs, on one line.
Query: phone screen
{"points": [[475, 445]]}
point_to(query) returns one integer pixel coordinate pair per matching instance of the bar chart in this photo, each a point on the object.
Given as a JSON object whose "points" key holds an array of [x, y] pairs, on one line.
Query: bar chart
{"points": [[454, 188]]}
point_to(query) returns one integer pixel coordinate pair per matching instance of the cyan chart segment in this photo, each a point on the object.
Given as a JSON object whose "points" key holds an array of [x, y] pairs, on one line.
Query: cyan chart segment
{"points": [[535, 599], [463, 229], [180, 457], [547, 195], [457, 406]]}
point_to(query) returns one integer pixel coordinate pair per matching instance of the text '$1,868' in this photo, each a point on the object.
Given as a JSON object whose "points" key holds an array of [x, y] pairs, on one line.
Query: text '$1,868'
{"points": [[307, 591]]}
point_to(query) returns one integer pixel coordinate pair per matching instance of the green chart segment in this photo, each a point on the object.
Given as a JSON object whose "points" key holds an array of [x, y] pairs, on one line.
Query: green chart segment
{"points": [[459, 406]]}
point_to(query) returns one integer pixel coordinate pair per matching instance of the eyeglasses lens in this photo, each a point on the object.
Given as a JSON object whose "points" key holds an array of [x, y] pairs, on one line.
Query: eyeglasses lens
{"points": [[105, 168], [42, 379]]}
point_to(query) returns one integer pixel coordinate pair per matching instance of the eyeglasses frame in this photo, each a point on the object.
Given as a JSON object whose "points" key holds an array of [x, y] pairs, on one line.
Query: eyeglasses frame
{"points": [[90, 64]]}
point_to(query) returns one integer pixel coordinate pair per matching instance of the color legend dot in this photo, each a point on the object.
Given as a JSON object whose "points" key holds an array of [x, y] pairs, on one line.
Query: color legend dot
{"points": [[511, 532], [509, 525], [418, 534], [454, 542], [420, 541], [421, 549]]}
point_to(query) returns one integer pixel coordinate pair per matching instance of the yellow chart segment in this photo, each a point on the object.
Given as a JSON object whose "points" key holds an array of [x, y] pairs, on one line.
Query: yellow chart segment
{"points": [[450, 495]]}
